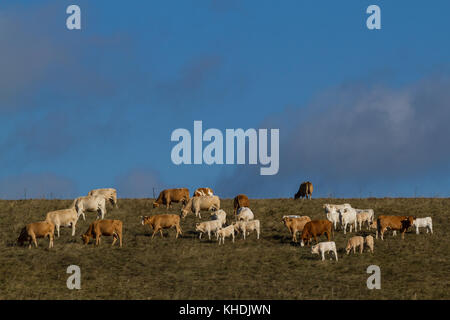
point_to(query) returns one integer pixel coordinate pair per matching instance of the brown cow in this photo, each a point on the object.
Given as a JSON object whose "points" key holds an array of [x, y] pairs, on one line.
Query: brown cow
{"points": [[203, 192], [162, 221], [172, 195], [241, 200], [304, 191], [34, 230], [396, 223], [295, 224], [314, 229], [104, 227]]}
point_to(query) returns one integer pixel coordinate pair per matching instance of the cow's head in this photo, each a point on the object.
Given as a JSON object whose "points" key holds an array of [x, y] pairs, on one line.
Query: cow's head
{"points": [[184, 213], [85, 238], [145, 220], [315, 249], [155, 205], [197, 227]]}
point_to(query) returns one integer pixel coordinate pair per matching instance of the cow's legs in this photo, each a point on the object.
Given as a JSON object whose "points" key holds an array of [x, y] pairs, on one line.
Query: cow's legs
{"points": [[200, 236], [209, 234], [57, 229], [417, 230], [323, 255], [161, 233], [73, 228], [50, 245], [114, 240]]}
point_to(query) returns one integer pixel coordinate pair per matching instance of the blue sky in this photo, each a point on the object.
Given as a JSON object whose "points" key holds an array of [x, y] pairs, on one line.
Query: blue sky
{"points": [[360, 112]]}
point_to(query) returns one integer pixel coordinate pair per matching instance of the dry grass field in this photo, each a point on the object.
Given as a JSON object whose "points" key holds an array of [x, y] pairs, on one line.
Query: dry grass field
{"points": [[188, 268]]}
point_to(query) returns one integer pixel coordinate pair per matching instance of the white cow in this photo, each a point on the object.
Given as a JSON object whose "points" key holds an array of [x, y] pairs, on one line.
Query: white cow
{"points": [[110, 194], [90, 204], [423, 223], [247, 226], [208, 227], [323, 247], [221, 234], [244, 213], [220, 215], [333, 216], [63, 218], [348, 217], [328, 206]]}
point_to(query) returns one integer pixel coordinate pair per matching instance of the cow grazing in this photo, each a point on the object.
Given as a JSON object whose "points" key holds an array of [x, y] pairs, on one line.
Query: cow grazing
{"points": [[396, 223], [90, 204], [110, 194], [348, 217], [295, 224], [162, 221], [105, 227], [241, 200], [208, 227], [316, 228], [32, 231], [244, 214], [63, 218], [166, 197], [196, 204], [247, 226], [323, 247], [223, 233], [353, 243], [423, 223], [304, 191], [203, 192], [369, 242], [220, 215]]}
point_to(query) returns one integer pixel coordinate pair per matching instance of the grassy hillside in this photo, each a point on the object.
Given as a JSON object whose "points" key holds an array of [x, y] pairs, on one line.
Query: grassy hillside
{"points": [[188, 268]]}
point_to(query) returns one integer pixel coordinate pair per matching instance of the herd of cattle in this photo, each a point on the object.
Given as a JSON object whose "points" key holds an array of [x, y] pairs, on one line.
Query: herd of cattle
{"points": [[204, 200]]}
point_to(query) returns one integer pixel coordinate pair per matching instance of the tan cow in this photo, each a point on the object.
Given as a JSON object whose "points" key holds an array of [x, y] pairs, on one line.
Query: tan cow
{"points": [[369, 242], [245, 227], [295, 224], [166, 197], [162, 221], [396, 223], [63, 218], [110, 194], [196, 204], [208, 227], [316, 228], [353, 243], [304, 191], [241, 200], [35, 230], [104, 227], [203, 192]]}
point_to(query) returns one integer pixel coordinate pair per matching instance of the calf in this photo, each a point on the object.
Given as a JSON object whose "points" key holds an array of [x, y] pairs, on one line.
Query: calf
{"points": [[423, 223], [295, 225], [314, 229], [104, 227], [369, 242], [208, 227], [35, 230], [162, 221], [247, 226], [353, 243], [362, 217], [221, 234], [332, 216], [323, 247]]}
